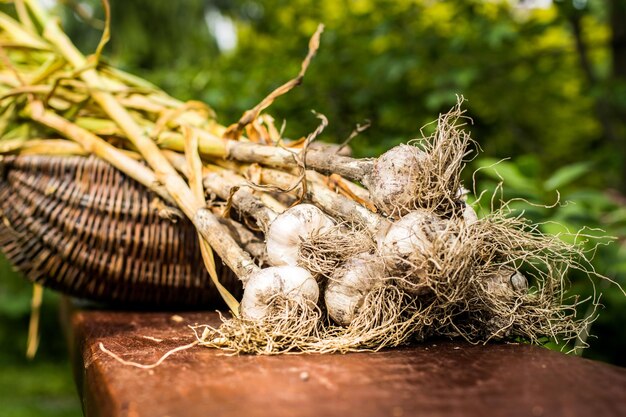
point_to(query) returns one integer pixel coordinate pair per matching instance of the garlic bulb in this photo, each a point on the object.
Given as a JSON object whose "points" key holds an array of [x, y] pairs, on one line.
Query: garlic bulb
{"points": [[408, 247], [349, 284], [409, 240], [506, 281], [292, 227], [393, 179], [292, 282]]}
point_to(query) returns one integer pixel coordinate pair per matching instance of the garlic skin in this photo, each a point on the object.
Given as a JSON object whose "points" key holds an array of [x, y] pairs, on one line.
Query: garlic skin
{"points": [[519, 282], [393, 178], [469, 215], [291, 282], [349, 284], [506, 281], [292, 227], [409, 238]]}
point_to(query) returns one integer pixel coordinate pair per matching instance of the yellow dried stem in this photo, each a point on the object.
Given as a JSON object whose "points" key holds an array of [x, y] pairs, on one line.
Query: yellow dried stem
{"points": [[142, 103], [234, 131], [126, 79], [4, 58], [192, 113], [24, 89], [93, 144], [195, 182], [209, 145], [98, 126], [11, 145], [59, 147], [33, 325], [50, 67], [24, 17], [163, 170], [21, 36], [106, 33]]}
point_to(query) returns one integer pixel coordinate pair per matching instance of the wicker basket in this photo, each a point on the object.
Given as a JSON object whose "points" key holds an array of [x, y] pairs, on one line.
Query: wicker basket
{"points": [[77, 225]]}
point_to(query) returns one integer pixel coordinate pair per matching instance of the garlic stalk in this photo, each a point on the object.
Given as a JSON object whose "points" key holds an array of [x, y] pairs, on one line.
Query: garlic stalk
{"points": [[393, 179], [388, 178], [244, 237], [283, 158], [283, 232], [242, 199], [336, 205]]}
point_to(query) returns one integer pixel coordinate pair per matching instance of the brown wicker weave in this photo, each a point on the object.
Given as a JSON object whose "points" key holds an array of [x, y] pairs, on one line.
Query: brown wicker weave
{"points": [[79, 226]]}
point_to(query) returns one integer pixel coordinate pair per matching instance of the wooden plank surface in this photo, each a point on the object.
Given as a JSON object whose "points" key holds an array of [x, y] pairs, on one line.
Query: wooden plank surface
{"points": [[433, 379]]}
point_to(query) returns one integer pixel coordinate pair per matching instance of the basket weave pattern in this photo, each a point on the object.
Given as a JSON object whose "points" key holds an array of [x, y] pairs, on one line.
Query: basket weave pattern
{"points": [[78, 225]]}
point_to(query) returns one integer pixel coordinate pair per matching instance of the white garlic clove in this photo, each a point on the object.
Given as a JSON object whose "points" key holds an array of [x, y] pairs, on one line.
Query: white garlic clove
{"points": [[292, 282], [292, 227], [349, 285], [393, 179]]}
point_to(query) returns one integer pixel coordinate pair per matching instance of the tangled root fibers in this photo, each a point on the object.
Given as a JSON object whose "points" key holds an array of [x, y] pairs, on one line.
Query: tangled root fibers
{"points": [[490, 306], [324, 252], [290, 325], [385, 319]]}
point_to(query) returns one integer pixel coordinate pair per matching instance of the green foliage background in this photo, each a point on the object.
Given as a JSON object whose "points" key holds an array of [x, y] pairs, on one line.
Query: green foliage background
{"points": [[545, 88]]}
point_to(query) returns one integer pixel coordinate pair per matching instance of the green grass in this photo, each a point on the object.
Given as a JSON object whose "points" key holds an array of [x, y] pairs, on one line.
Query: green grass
{"points": [[39, 388], [43, 387]]}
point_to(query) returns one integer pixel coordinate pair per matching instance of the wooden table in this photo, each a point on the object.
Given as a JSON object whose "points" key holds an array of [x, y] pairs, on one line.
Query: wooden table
{"points": [[433, 379]]}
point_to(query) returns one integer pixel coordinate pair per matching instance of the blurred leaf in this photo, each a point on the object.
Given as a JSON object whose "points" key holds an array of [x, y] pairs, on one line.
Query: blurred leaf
{"points": [[510, 174], [566, 175], [597, 200], [616, 216], [529, 165]]}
